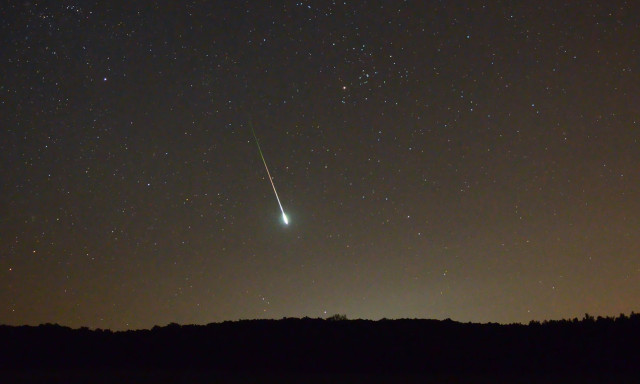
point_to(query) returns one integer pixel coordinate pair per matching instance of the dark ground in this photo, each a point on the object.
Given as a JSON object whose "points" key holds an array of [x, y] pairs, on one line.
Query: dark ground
{"points": [[202, 378], [603, 350]]}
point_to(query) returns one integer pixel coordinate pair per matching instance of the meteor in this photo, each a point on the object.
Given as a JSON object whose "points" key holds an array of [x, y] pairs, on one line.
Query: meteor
{"points": [[284, 216]]}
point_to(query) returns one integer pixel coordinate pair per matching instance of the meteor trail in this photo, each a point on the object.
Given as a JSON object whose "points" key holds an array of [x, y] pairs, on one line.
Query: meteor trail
{"points": [[284, 216]]}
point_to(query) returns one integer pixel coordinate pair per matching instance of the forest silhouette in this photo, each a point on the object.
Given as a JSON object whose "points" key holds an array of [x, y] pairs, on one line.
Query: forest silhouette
{"points": [[596, 347]]}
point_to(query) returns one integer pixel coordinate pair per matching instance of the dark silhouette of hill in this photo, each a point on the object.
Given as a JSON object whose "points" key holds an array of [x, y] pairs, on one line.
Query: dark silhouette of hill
{"points": [[590, 347]]}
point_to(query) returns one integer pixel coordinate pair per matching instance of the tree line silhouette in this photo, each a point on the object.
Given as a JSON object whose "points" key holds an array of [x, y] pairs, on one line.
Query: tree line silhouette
{"points": [[594, 345]]}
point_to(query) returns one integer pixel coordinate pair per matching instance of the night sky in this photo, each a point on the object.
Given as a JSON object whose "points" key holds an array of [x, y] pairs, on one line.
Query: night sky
{"points": [[477, 161]]}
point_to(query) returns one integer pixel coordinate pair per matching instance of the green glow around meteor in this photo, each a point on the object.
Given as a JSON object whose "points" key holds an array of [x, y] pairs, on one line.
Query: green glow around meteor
{"points": [[284, 216]]}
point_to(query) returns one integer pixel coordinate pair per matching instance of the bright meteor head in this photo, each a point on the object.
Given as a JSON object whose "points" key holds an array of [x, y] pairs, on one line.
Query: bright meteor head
{"points": [[284, 217]]}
